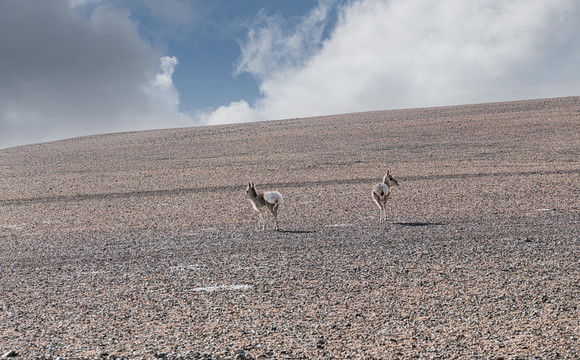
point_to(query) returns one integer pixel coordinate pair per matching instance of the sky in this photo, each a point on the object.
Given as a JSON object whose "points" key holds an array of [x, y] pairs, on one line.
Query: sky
{"points": [[80, 67]]}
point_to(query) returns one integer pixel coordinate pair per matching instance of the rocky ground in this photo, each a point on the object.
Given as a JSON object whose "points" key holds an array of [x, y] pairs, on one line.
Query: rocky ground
{"points": [[140, 245]]}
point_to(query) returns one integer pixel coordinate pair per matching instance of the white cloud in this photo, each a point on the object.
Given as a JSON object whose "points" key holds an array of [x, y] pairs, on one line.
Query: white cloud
{"points": [[235, 112], [276, 44], [167, 66], [65, 75], [77, 3], [164, 99], [408, 53]]}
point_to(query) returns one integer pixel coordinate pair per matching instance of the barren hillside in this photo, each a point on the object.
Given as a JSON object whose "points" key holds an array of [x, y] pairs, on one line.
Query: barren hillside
{"points": [[141, 245]]}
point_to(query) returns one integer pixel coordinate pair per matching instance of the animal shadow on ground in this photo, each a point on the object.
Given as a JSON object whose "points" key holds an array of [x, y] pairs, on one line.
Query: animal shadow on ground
{"points": [[419, 224], [297, 231]]}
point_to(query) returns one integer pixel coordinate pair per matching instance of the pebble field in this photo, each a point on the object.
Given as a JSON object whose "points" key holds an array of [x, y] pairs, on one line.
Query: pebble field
{"points": [[142, 246]]}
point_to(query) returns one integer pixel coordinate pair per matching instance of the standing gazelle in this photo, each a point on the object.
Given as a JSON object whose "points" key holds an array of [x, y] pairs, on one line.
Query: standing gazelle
{"points": [[381, 193], [268, 201]]}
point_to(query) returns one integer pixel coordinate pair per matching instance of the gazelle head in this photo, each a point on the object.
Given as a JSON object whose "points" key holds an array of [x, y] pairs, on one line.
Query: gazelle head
{"points": [[251, 191], [389, 180]]}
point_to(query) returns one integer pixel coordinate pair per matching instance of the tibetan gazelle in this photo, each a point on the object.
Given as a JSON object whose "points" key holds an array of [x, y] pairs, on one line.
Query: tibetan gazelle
{"points": [[381, 193], [262, 202]]}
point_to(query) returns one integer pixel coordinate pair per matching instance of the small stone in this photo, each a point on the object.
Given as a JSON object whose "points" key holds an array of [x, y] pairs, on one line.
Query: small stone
{"points": [[9, 354]]}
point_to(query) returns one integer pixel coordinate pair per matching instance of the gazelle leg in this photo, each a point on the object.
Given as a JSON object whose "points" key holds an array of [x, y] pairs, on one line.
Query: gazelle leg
{"points": [[275, 213]]}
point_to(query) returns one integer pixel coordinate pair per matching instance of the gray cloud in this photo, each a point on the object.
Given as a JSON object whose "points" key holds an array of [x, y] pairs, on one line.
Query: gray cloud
{"points": [[64, 75]]}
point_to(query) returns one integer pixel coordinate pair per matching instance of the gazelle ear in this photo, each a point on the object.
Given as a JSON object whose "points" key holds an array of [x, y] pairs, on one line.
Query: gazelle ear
{"points": [[388, 172]]}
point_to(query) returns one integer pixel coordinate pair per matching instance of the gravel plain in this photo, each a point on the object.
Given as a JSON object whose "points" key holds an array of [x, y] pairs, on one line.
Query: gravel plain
{"points": [[141, 245]]}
